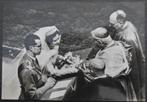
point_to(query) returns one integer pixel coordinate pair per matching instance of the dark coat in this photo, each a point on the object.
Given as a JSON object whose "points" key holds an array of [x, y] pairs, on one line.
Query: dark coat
{"points": [[30, 77]]}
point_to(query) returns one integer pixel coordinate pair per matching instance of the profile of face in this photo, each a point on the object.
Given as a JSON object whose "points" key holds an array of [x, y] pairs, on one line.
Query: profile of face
{"points": [[56, 40], [118, 25], [119, 22], [100, 43], [53, 39], [36, 49]]}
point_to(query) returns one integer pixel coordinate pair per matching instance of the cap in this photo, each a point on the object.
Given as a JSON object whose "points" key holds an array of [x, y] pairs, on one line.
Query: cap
{"points": [[97, 63], [116, 15], [99, 32]]}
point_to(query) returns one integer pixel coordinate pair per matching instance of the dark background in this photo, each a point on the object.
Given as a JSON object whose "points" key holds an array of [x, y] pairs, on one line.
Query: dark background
{"points": [[75, 19]]}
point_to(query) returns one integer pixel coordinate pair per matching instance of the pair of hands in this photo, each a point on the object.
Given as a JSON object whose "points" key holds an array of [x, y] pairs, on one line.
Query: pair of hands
{"points": [[50, 82]]}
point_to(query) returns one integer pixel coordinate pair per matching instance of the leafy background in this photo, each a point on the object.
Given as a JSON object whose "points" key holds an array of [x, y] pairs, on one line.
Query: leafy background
{"points": [[74, 18]]}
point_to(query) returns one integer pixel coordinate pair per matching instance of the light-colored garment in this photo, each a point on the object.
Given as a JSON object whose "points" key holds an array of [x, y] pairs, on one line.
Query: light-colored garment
{"points": [[46, 52], [42, 32], [113, 57], [129, 35]]}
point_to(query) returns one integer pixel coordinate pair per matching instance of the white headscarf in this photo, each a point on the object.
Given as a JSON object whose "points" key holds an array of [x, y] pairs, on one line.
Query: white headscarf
{"points": [[43, 32]]}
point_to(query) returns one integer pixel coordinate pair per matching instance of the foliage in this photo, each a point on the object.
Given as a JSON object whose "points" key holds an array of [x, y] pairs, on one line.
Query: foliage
{"points": [[75, 19]]}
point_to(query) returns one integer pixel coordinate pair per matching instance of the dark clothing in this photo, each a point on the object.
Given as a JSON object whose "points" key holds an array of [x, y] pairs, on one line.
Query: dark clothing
{"points": [[30, 77], [114, 87], [107, 89]]}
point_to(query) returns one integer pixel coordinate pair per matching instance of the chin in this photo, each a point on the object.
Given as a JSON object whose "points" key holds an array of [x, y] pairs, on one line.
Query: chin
{"points": [[38, 53]]}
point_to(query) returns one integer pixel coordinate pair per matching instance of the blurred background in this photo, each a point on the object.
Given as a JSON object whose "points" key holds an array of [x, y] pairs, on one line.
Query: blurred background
{"points": [[75, 19]]}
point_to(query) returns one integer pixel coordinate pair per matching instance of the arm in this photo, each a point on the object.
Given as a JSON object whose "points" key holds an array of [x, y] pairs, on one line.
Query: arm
{"points": [[31, 91], [114, 62]]}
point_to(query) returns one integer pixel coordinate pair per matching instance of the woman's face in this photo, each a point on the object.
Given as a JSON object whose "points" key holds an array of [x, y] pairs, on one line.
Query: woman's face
{"points": [[119, 24], [56, 39]]}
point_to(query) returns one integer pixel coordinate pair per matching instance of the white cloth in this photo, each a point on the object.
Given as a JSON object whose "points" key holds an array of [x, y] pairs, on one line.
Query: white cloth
{"points": [[46, 52], [113, 58]]}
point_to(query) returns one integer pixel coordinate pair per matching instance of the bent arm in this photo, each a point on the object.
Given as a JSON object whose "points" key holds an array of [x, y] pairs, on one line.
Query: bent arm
{"points": [[114, 63], [30, 88]]}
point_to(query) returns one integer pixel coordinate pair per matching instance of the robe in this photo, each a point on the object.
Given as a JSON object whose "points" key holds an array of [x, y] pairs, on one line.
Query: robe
{"points": [[115, 87], [129, 35]]}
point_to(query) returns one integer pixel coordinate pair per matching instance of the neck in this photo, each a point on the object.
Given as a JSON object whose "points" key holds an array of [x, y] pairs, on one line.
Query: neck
{"points": [[31, 54], [109, 42]]}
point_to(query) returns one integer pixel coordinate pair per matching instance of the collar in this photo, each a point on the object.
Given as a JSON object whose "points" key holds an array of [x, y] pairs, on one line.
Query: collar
{"points": [[110, 44], [33, 58]]}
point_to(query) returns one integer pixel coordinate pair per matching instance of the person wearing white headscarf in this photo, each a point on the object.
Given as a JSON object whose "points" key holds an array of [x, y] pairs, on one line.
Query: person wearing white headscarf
{"points": [[127, 32], [50, 38]]}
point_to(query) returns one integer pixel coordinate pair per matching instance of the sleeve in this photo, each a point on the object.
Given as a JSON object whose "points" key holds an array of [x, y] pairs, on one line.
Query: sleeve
{"points": [[31, 91], [28, 84], [139, 46], [114, 63]]}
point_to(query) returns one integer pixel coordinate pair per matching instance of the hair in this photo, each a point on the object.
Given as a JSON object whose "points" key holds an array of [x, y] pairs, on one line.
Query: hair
{"points": [[111, 30], [30, 40]]}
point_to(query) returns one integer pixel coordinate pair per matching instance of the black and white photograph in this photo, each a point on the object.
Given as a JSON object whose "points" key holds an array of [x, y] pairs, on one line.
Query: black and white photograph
{"points": [[73, 50]]}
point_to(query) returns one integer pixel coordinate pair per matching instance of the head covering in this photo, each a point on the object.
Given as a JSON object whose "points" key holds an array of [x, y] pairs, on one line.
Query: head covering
{"points": [[43, 33], [46, 31], [115, 15], [99, 33]]}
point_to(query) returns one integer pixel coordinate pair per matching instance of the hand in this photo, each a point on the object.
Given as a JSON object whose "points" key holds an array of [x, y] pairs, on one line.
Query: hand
{"points": [[44, 78], [50, 82], [128, 70]]}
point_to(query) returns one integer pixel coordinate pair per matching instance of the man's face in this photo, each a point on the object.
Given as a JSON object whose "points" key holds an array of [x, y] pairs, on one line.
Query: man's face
{"points": [[118, 25], [36, 49]]}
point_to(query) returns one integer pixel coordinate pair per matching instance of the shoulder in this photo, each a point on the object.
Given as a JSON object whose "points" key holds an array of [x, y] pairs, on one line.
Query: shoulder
{"points": [[131, 26], [26, 62]]}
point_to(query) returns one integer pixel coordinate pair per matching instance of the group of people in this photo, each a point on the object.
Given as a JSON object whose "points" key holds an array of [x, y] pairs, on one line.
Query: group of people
{"points": [[113, 70]]}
